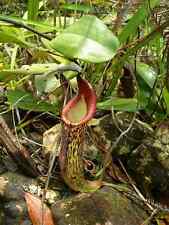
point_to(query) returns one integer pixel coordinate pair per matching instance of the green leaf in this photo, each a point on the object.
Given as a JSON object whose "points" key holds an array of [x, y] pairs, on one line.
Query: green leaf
{"points": [[121, 104], [26, 70], [146, 73], [12, 35], [88, 39], [166, 98], [40, 69], [25, 100], [138, 18], [144, 93], [7, 75], [145, 85], [33, 7], [77, 7], [46, 83], [146, 78], [46, 26]]}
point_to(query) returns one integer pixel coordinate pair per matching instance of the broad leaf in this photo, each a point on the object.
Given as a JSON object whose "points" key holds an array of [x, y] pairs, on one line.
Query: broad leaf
{"points": [[146, 73], [25, 100], [145, 79], [46, 83], [88, 39], [122, 104]]}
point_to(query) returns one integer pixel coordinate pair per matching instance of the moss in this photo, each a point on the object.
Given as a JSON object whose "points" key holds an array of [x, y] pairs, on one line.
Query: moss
{"points": [[105, 206]]}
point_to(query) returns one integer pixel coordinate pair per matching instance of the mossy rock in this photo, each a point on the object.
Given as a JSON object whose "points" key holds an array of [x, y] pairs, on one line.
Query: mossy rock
{"points": [[104, 207]]}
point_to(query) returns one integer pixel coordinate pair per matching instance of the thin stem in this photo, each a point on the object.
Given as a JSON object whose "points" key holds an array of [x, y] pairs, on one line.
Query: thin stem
{"points": [[22, 25]]}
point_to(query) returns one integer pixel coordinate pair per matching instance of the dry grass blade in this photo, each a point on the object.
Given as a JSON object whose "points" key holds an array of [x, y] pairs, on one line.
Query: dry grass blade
{"points": [[3, 184]]}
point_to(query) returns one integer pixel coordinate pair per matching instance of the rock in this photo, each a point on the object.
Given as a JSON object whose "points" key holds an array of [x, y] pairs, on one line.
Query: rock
{"points": [[149, 163], [104, 207], [14, 210], [110, 129], [12, 187]]}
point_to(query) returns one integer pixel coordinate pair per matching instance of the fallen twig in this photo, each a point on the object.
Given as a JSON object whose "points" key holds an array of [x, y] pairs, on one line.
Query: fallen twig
{"points": [[17, 151]]}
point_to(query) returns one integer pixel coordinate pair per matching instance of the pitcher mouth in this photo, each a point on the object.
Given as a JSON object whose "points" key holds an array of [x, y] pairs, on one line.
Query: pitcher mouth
{"points": [[82, 107]]}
